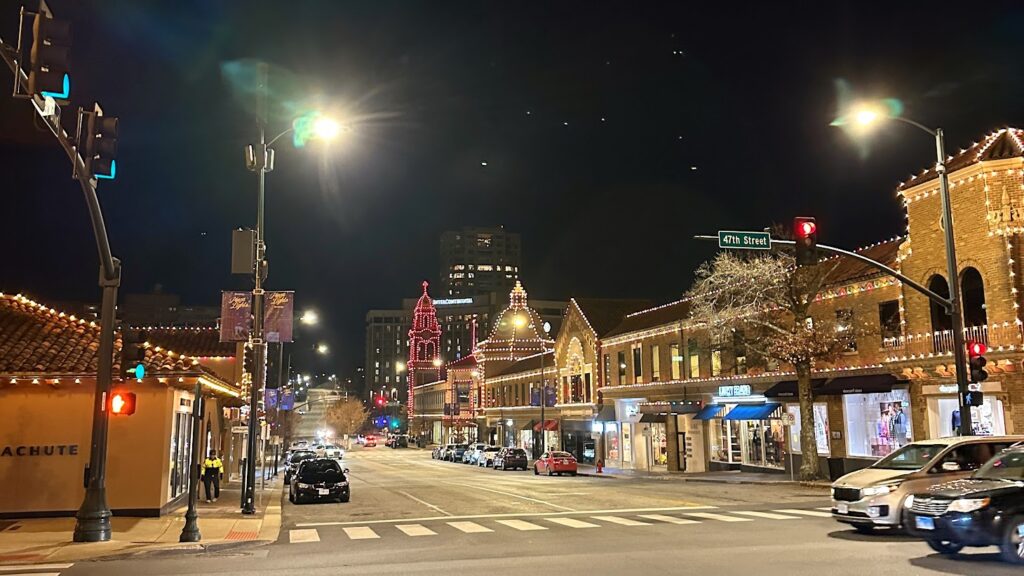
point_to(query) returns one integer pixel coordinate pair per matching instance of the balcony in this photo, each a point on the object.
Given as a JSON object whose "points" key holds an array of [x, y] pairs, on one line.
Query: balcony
{"points": [[995, 336]]}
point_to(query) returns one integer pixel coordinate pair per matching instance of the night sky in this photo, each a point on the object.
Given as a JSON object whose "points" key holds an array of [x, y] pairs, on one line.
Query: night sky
{"points": [[611, 134]]}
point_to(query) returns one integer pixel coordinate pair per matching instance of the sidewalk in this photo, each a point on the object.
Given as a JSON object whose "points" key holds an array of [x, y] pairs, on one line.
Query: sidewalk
{"points": [[37, 540], [725, 477]]}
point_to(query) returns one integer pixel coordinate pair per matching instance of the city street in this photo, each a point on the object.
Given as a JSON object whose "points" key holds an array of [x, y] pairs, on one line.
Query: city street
{"points": [[412, 515]]}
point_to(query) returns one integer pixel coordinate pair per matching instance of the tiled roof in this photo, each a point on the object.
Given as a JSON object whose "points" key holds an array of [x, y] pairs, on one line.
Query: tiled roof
{"points": [[464, 362], [1001, 144], [644, 319], [849, 270], [604, 314], [201, 342], [530, 363]]}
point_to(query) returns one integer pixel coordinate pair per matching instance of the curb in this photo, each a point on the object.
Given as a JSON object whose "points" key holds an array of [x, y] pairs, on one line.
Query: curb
{"points": [[179, 549]]}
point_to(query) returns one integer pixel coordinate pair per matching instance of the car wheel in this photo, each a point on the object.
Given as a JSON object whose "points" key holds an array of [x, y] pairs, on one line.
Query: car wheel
{"points": [[864, 528], [345, 499], [549, 471], [945, 547], [1012, 547], [572, 473], [535, 471]]}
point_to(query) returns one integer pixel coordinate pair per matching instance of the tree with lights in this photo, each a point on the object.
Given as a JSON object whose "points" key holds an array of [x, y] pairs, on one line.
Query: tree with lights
{"points": [[347, 417], [766, 299]]}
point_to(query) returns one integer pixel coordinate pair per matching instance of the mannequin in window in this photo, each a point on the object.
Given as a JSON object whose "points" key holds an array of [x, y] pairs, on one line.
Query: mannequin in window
{"points": [[955, 422]]}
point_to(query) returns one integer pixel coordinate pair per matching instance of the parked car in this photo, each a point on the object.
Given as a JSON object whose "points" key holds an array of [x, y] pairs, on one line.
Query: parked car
{"points": [[486, 457], [474, 450], [876, 495], [299, 445], [986, 509], [511, 459], [400, 441], [456, 452], [319, 479], [555, 463], [293, 462], [331, 451], [371, 442], [438, 451]]}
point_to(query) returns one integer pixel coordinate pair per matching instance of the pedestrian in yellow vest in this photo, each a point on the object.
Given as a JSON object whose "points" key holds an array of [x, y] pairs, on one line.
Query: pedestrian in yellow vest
{"points": [[213, 471]]}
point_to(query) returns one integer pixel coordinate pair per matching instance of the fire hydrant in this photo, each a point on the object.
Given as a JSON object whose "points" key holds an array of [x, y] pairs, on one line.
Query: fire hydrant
{"points": [[600, 465]]}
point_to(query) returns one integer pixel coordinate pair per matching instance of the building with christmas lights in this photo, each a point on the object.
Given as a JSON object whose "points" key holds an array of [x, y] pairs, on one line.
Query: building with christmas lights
{"points": [[424, 364], [477, 261]]}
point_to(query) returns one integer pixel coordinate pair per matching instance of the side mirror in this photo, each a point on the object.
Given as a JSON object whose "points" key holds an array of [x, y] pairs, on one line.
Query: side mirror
{"points": [[950, 467], [346, 470]]}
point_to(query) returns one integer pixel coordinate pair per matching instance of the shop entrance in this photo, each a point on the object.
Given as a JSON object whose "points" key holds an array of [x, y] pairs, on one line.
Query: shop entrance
{"points": [[944, 416]]}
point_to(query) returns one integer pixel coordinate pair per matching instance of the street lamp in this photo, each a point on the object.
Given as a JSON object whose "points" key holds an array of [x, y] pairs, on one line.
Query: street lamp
{"points": [[543, 393], [866, 116], [322, 349], [309, 318]]}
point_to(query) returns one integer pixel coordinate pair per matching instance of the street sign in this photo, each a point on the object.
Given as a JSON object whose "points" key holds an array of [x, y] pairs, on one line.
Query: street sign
{"points": [[744, 240], [788, 419]]}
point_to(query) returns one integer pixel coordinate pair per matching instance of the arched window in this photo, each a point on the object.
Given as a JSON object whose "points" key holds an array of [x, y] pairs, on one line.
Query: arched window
{"points": [[973, 296], [940, 319]]}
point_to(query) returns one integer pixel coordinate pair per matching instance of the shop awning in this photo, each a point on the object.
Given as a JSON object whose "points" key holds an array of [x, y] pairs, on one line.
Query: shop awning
{"points": [[549, 425], [873, 383], [606, 414], [752, 411], [789, 388], [710, 411], [657, 418], [529, 425]]}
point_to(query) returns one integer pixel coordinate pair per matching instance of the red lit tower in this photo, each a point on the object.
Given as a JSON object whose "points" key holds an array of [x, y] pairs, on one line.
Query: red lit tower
{"points": [[424, 345]]}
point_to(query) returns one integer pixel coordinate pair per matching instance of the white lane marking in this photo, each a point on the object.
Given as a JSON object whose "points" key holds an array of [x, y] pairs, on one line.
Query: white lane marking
{"points": [[828, 508], [720, 517], [306, 535], [620, 521], [559, 506], [427, 504], [521, 525], [669, 519], [22, 567], [507, 515], [768, 515], [806, 512], [6, 569], [469, 527], [360, 533], [572, 523], [416, 530]]}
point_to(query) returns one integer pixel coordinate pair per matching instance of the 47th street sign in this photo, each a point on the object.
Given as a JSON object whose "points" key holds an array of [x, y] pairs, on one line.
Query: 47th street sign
{"points": [[744, 240]]}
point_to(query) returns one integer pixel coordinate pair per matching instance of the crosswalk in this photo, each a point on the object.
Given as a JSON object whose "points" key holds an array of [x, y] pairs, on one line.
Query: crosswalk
{"points": [[381, 530], [53, 569]]}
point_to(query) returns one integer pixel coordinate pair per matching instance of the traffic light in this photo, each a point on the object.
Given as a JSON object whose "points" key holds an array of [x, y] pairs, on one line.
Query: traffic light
{"points": [[976, 354], [132, 353], [394, 423], [98, 144], [380, 401], [805, 233], [122, 403], [50, 58], [248, 359], [974, 398]]}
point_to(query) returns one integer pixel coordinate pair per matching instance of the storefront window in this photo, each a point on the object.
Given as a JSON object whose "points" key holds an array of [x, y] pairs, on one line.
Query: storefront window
{"points": [[611, 439], [987, 418], [877, 424], [764, 442], [725, 440], [821, 432], [627, 443], [181, 444], [659, 444]]}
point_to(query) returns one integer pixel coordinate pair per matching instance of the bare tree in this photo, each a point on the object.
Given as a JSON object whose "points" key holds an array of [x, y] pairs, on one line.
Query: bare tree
{"points": [[284, 423], [766, 300], [347, 416]]}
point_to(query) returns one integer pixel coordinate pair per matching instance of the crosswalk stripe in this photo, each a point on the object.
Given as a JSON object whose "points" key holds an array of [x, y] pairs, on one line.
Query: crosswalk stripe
{"points": [[806, 512], [361, 533], [6, 569], [768, 515], [521, 525], [620, 521], [720, 517], [6, 573], [826, 508], [572, 523], [469, 527], [304, 535], [415, 530], [669, 519]]}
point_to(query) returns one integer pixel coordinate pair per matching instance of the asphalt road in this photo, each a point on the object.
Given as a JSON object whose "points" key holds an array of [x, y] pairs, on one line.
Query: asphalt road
{"points": [[410, 515]]}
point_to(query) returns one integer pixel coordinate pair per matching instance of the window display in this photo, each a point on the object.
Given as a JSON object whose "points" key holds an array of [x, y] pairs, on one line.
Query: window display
{"points": [[627, 443], [659, 444], [821, 431], [611, 439], [725, 440], [878, 423], [987, 419], [764, 442]]}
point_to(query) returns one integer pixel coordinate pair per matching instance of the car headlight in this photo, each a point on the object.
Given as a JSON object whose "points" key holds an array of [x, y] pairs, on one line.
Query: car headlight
{"points": [[880, 490], [909, 502], [968, 504], [301, 485], [343, 484]]}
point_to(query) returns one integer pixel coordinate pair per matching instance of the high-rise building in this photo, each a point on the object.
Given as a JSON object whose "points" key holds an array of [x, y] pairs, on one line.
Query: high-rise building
{"points": [[479, 261]]}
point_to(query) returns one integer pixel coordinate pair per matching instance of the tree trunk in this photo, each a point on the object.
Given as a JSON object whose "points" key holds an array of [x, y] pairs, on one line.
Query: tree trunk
{"points": [[810, 468]]}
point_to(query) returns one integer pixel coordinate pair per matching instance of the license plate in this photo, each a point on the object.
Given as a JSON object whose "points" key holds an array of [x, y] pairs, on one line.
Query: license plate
{"points": [[843, 508], [924, 523], [323, 491]]}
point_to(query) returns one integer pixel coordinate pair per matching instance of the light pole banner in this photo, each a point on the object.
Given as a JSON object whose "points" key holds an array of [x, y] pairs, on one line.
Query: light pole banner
{"points": [[270, 397], [277, 318], [287, 400], [235, 316]]}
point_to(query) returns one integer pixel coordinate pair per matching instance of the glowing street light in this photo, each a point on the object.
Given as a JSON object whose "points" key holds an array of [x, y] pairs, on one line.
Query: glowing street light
{"points": [[310, 318], [437, 362], [519, 321], [326, 128], [322, 349], [399, 366]]}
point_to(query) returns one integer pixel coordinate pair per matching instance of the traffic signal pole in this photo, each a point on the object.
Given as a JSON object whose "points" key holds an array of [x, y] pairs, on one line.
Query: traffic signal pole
{"points": [[93, 518]]}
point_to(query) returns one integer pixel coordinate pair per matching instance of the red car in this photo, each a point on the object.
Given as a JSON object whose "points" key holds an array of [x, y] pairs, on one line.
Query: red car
{"points": [[555, 463], [371, 442]]}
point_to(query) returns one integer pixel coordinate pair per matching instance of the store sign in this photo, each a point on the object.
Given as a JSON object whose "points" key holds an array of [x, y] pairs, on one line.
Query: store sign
{"points": [[952, 388], [734, 391], [40, 450], [453, 301]]}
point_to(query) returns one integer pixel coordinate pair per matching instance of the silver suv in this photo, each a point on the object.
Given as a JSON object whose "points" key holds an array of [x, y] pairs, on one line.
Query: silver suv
{"points": [[876, 495]]}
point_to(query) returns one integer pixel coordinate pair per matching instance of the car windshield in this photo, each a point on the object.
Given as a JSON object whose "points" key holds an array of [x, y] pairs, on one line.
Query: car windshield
{"points": [[561, 455], [517, 452], [1007, 466], [492, 449], [321, 471], [300, 456], [462, 446], [910, 457]]}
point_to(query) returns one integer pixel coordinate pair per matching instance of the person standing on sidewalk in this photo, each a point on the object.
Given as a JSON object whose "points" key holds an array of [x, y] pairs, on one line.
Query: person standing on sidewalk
{"points": [[213, 471]]}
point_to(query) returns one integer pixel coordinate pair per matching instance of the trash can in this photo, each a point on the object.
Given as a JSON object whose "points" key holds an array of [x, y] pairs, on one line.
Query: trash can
{"points": [[835, 468]]}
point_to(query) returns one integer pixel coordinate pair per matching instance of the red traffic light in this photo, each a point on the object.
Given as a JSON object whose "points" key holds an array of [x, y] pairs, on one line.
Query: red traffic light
{"points": [[975, 348], [122, 403], [805, 228]]}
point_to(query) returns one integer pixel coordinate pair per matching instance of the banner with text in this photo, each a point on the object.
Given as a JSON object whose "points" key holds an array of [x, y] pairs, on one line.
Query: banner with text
{"points": [[278, 316], [235, 316]]}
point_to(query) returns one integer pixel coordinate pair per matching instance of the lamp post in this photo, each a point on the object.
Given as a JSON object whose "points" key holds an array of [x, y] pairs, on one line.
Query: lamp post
{"points": [[190, 532], [543, 395], [866, 116]]}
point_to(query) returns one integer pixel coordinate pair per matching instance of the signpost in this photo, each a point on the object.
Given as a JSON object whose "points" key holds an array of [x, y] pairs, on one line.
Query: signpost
{"points": [[744, 240]]}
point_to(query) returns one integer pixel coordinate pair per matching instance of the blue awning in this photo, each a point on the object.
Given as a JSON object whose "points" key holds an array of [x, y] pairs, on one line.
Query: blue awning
{"points": [[709, 412], [752, 411]]}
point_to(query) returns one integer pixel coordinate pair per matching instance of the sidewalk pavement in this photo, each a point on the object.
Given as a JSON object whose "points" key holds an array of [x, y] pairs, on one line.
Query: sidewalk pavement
{"points": [[36, 540], [723, 477]]}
